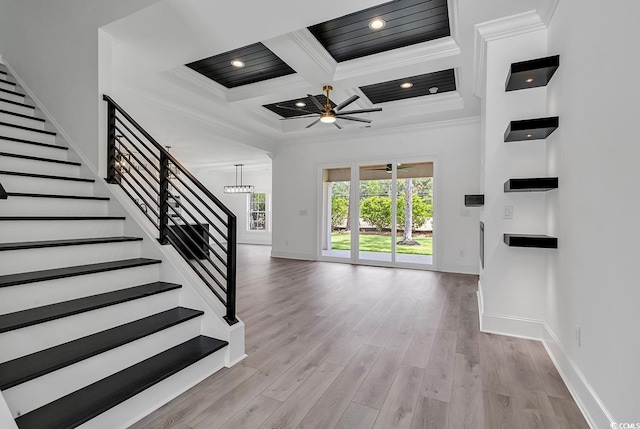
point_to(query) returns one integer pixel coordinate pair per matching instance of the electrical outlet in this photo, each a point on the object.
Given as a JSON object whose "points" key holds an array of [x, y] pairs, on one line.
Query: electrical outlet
{"points": [[507, 212], [286, 242], [461, 253], [578, 336]]}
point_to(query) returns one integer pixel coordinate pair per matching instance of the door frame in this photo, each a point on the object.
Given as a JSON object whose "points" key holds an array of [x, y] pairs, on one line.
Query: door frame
{"points": [[354, 197]]}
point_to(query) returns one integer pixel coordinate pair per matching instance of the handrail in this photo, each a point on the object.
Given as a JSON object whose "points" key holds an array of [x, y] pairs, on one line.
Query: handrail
{"points": [[171, 158], [185, 213]]}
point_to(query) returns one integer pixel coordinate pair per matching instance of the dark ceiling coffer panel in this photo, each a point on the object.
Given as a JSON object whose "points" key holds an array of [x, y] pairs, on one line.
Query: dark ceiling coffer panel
{"points": [[421, 85], [406, 22], [259, 64], [289, 109]]}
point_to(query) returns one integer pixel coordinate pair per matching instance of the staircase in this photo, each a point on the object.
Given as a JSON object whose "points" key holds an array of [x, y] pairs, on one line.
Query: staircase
{"points": [[89, 333]]}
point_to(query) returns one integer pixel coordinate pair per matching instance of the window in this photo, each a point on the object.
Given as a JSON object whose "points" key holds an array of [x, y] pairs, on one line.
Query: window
{"points": [[258, 212]]}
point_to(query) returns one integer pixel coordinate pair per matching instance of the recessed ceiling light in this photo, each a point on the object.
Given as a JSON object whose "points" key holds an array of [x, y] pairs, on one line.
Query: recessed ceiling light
{"points": [[377, 24], [433, 89], [529, 136], [301, 104], [237, 63], [529, 80], [406, 85]]}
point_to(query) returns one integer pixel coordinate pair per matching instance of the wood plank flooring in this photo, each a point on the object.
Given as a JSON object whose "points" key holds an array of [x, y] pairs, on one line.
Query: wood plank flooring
{"points": [[355, 347]]}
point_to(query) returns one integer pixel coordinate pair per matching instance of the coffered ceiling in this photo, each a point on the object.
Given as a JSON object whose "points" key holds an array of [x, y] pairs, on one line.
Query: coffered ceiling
{"points": [[172, 67]]}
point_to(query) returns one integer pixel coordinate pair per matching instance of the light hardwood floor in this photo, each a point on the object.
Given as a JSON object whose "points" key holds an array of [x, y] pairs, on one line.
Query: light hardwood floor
{"points": [[355, 347]]}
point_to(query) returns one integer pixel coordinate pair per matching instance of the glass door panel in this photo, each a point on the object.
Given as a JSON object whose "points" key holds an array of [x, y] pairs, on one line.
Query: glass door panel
{"points": [[336, 219], [375, 234], [414, 206]]}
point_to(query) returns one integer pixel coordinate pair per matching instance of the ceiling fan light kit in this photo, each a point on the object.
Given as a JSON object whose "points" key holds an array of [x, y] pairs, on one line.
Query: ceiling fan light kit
{"points": [[328, 113]]}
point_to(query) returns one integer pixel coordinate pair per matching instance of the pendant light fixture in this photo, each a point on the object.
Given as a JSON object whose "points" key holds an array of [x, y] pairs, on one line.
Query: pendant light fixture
{"points": [[238, 188]]}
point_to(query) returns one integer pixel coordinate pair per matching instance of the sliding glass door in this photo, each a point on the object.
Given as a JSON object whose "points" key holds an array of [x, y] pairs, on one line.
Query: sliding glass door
{"points": [[378, 213]]}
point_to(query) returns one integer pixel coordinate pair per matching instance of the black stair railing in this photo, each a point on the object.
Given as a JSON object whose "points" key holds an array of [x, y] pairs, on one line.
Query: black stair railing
{"points": [[186, 214]]}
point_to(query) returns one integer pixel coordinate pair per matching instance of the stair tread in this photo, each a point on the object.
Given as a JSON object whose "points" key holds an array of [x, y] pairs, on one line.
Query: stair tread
{"points": [[3, 80], [16, 103], [43, 362], [33, 316], [28, 218], [80, 406], [67, 242], [78, 270], [73, 197], [13, 139], [46, 176], [8, 91], [7, 112], [22, 127], [38, 158]]}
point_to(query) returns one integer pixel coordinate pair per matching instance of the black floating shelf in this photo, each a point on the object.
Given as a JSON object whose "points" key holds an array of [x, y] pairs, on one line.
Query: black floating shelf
{"points": [[532, 73], [531, 240], [475, 200], [531, 129], [538, 184]]}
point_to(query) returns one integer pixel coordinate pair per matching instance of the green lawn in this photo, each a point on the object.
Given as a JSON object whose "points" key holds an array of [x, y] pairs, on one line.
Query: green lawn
{"points": [[381, 243]]}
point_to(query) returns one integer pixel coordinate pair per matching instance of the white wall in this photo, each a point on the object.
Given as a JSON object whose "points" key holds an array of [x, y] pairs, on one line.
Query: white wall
{"points": [[593, 276], [513, 280], [53, 47], [215, 181], [296, 184]]}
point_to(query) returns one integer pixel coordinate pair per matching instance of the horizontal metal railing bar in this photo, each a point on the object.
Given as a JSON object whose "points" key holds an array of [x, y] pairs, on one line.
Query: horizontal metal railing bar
{"points": [[152, 163], [153, 221], [153, 186], [193, 254], [139, 140], [152, 197], [224, 236], [150, 204], [194, 230], [174, 161], [202, 201]]}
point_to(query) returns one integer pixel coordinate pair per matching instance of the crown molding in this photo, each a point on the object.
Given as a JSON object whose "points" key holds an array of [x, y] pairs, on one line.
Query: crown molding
{"points": [[217, 92], [453, 19], [547, 9], [359, 132], [314, 50], [498, 29], [397, 58]]}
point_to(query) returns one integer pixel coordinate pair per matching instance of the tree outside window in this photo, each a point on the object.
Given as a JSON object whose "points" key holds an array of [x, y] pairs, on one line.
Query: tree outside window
{"points": [[258, 212]]}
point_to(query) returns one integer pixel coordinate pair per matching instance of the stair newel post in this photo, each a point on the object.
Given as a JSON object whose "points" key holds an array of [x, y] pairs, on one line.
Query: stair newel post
{"points": [[231, 271], [111, 144], [164, 198]]}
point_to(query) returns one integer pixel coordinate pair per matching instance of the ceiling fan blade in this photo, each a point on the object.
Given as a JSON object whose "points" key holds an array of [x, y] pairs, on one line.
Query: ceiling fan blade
{"points": [[351, 118], [374, 109], [310, 115], [337, 125], [291, 108], [315, 101], [313, 123], [346, 102]]}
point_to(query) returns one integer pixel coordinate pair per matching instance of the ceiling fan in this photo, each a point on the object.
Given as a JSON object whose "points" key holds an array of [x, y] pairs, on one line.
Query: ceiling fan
{"points": [[388, 168], [330, 114]]}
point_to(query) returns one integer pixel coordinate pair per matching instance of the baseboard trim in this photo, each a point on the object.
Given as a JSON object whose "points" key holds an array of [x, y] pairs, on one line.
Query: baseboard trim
{"points": [[292, 255], [592, 408], [237, 361]]}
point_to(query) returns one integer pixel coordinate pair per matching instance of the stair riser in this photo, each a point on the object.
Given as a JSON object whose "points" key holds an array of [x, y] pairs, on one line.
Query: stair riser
{"points": [[21, 342], [14, 231], [19, 120], [17, 109], [8, 86], [38, 392], [134, 409], [22, 165], [38, 294], [32, 150], [45, 186], [19, 133], [33, 206], [17, 261], [12, 97]]}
